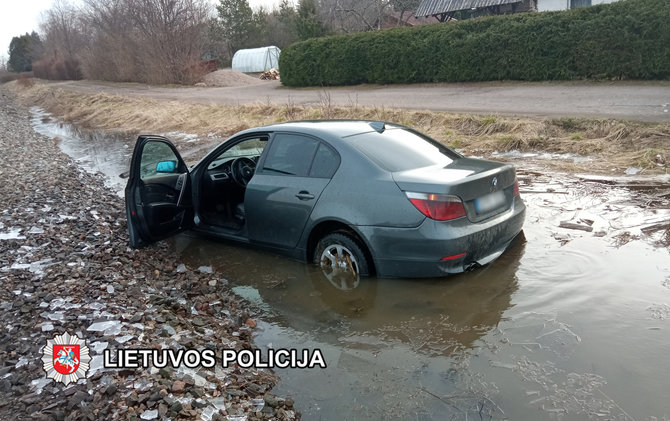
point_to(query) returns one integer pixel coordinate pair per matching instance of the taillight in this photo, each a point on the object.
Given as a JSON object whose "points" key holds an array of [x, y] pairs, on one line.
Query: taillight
{"points": [[515, 191], [440, 207]]}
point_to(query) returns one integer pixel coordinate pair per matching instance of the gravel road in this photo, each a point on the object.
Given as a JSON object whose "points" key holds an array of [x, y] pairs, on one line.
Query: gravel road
{"points": [[644, 101], [65, 267]]}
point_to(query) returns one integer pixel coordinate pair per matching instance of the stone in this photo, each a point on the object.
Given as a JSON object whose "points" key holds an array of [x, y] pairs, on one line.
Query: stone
{"points": [[178, 386]]}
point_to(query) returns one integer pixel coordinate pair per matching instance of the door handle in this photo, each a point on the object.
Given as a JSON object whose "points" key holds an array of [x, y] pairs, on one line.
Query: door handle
{"points": [[304, 195]]}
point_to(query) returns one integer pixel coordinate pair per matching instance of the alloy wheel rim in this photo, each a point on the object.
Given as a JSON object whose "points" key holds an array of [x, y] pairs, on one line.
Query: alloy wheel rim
{"points": [[340, 267]]}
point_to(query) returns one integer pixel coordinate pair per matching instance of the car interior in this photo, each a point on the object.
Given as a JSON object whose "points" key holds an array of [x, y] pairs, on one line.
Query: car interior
{"points": [[224, 183]]}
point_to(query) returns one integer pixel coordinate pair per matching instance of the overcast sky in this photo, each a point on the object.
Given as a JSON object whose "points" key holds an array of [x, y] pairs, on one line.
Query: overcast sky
{"points": [[20, 16]]}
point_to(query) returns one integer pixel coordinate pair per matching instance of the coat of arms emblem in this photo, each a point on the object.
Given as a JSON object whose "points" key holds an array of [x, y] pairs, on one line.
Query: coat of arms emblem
{"points": [[66, 358]]}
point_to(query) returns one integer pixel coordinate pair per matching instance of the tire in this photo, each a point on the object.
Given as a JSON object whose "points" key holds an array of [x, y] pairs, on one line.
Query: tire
{"points": [[342, 260]]}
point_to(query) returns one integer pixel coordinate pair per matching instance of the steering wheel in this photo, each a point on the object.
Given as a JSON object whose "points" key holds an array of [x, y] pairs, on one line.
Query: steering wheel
{"points": [[242, 169]]}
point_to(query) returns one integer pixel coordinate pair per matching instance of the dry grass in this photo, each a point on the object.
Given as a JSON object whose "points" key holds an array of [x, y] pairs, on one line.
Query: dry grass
{"points": [[613, 143]]}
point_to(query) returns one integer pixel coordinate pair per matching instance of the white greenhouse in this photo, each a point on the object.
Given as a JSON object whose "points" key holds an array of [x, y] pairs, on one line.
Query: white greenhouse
{"points": [[256, 60]]}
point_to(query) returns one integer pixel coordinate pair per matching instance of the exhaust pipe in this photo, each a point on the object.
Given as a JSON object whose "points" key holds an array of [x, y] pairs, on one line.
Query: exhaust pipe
{"points": [[472, 266]]}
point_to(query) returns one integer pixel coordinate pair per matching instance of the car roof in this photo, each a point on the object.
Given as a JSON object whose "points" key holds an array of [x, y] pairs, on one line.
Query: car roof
{"points": [[328, 128]]}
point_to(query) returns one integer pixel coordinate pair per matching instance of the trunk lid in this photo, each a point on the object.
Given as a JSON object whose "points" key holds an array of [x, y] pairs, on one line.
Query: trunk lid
{"points": [[485, 187]]}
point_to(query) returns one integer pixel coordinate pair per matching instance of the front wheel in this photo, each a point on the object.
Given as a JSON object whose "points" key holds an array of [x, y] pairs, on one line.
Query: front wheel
{"points": [[342, 260]]}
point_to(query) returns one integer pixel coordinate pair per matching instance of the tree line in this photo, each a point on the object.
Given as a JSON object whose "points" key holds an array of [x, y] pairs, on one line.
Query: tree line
{"points": [[176, 41]]}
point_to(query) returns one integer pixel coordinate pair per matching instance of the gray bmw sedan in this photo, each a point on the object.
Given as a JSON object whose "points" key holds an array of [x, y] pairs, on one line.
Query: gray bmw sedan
{"points": [[358, 198]]}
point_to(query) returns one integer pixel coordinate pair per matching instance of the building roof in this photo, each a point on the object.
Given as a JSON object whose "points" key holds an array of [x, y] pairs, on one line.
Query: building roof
{"points": [[436, 7]]}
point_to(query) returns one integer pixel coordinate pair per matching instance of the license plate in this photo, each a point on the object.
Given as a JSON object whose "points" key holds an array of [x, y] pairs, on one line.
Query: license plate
{"points": [[489, 202]]}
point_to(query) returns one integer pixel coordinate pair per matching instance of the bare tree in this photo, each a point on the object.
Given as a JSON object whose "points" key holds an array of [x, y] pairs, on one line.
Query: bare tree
{"points": [[154, 41], [63, 39], [112, 51], [347, 16], [172, 36], [62, 29]]}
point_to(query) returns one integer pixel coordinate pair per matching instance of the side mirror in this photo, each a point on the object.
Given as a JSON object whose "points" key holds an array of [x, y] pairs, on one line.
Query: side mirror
{"points": [[166, 166]]}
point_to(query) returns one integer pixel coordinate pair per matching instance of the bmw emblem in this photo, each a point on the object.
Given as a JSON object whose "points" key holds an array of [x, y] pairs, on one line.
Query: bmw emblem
{"points": [[494, 181]]}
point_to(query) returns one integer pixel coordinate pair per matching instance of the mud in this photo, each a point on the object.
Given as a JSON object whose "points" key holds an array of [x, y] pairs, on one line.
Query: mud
{"points": [[568, 324]]}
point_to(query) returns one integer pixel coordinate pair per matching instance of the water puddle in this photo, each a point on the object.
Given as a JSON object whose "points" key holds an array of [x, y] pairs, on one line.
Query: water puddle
{"points": [[95, 151], [571, 323], [106, 152]]}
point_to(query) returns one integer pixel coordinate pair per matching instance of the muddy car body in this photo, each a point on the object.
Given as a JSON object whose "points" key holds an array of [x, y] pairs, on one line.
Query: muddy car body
{"points": [[356, 197]]}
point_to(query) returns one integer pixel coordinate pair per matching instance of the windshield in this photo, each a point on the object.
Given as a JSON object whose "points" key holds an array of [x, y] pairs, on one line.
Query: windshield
{"points": [[249, 147]]}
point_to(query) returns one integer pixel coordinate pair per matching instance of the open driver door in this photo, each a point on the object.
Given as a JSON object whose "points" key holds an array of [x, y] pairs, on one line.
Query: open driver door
{"points": [[158, 193]]}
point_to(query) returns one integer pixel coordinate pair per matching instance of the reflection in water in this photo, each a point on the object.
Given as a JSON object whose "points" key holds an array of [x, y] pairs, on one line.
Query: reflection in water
{"points": [[566, 325], [371, 335], [469, 304]]}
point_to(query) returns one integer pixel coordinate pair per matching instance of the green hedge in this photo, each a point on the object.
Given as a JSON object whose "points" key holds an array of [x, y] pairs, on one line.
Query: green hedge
{"points": [[629, 39]]}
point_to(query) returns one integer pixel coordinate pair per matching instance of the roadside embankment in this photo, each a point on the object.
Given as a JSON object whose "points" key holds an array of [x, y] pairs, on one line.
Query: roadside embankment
{"points": [[611, 145], [65, 266]]}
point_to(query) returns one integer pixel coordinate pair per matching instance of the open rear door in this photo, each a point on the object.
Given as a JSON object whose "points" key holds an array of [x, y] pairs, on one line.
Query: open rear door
{"points": [[158, 196]]}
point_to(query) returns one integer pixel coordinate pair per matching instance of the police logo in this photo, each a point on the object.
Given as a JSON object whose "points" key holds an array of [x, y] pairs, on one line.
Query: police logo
{"points": [[66, 358]]}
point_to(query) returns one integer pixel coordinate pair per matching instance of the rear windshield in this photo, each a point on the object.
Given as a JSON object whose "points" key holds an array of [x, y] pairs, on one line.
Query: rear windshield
{"points": [[401, 150]]}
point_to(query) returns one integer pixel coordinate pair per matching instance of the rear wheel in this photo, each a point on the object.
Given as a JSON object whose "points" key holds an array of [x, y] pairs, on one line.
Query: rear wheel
{"points": [[342, 260]]}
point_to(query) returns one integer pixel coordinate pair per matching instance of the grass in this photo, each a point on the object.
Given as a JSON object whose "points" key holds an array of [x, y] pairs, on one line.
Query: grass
{"points": [[612, 143]]}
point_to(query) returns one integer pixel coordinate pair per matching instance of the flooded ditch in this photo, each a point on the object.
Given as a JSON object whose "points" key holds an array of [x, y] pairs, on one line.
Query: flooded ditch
{"points": [[571, 323]]}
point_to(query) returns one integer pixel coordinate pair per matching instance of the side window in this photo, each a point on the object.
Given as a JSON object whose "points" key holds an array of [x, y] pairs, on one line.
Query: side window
{"points": [[157, 159], [325, 162], [290, 154]]}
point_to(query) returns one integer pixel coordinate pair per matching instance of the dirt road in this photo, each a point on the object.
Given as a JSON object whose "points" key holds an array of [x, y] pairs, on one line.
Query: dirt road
{"points": [[645, 101]]}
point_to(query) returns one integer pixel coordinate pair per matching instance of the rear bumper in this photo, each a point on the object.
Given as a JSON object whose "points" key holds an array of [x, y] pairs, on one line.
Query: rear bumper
{"points": [[418, 252]]}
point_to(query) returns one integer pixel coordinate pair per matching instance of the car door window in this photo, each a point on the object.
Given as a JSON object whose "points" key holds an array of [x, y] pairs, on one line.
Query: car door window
{"points": [[290, 154], [158, 158], [325, 162]]}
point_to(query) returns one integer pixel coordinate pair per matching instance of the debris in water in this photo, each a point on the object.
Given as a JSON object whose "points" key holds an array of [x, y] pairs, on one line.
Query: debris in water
{"points": [[575, 226], [562, 238], [508, 366], [659, 311]]}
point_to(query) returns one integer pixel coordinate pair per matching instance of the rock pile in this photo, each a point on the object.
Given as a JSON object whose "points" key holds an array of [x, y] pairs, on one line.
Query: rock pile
{"points": [[65, 267]]}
